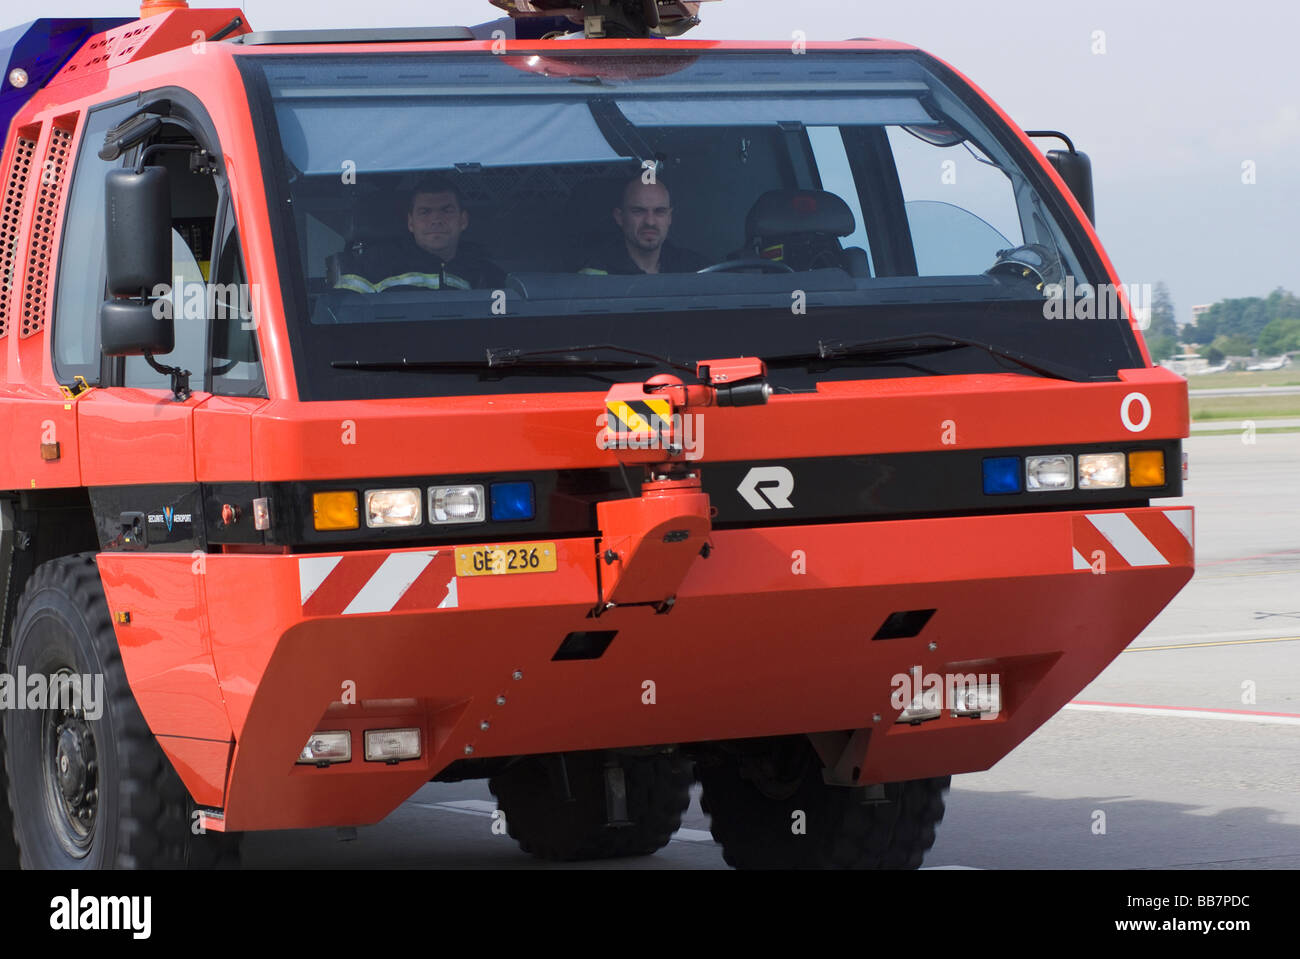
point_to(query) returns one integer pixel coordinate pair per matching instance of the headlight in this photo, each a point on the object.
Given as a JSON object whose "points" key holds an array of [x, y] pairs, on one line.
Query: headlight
{"points": [[327, 747], [456, 504], [392, 745], [392, 507], [1101, 470], [1052, 472]]}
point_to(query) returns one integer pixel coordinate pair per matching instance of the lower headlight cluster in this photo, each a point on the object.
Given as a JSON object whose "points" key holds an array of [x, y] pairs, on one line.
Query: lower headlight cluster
{"points": [[327, 747]]}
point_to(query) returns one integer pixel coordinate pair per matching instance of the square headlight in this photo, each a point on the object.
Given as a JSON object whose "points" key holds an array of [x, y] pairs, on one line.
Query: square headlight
{"points": [[1054, 471], [1101, 470], [392, 507], [456, 504]]}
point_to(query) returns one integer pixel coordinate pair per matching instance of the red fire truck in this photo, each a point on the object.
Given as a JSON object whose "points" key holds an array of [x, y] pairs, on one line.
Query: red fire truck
{"points": [[555, 402]]}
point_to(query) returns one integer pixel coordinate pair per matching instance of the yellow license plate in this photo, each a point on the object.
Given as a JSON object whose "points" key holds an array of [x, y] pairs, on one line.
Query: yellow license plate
{"points": [[502, 560]]}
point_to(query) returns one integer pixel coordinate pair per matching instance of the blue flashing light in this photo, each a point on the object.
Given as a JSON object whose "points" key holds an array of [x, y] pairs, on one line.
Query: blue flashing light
{"points": [[1002, 475], [42, 48], [512, 501]]}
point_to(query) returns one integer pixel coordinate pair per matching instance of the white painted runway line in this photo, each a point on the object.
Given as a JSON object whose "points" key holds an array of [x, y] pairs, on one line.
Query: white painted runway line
{"points": [[1190, 712]]}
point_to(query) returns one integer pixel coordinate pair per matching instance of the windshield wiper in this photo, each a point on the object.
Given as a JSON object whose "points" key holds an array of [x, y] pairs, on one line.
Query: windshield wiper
{"points": [[555, 364], [922, 344], [510, 357], [505, 361]]}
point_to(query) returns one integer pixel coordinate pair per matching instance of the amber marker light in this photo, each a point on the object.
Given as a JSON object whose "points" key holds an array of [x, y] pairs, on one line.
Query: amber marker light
{"points": [[1146, 468], [336, 510]]}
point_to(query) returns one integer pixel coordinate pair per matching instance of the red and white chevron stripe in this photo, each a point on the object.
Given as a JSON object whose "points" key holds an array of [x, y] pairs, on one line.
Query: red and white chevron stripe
{"points": [[1130, 540], [357, 583]]}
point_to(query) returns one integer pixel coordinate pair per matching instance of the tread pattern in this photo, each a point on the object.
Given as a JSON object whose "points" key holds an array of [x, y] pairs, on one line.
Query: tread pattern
{"points": [[154, 810], [658, 792], [757, 832]]}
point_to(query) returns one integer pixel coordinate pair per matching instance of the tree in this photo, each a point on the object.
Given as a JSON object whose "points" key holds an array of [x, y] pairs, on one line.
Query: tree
{"points": [[1163, 322], [1280, 336], [1161, 347], [1237, 345]]}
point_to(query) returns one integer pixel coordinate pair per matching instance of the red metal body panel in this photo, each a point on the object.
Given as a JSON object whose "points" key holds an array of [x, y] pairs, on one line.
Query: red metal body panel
{"points": [[558, 430], [223, 446], [136, 436], [753, 647]]}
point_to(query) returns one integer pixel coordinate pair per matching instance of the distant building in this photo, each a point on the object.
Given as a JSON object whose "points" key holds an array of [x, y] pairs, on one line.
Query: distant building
{"points": [[1199, 311], [1186, 364]]}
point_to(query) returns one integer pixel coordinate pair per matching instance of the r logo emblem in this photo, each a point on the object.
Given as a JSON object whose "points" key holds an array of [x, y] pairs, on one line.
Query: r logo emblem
{"points": [[767, 487]]}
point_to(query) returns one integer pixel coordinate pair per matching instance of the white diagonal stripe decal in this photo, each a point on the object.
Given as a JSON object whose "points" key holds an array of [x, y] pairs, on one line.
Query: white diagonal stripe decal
{"points": [[1136, 549], [390, 581], [450, 600], [1182, 520], [1079, 561], [312, 571]]}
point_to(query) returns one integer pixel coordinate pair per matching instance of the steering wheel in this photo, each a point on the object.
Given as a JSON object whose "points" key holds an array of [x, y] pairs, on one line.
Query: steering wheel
{"points": [[749, 263], [1034, 262]]}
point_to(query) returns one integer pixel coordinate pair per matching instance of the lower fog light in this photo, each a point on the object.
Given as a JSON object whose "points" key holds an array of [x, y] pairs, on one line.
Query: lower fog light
{"points": [[392, 745], [326, 748]]}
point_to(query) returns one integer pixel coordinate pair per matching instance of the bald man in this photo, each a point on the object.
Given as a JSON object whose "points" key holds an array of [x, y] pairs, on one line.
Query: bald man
{"points": [[644, 216]]}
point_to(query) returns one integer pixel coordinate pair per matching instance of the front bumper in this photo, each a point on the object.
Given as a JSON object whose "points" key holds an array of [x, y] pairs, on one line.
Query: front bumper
{"points": [[235, 659]]}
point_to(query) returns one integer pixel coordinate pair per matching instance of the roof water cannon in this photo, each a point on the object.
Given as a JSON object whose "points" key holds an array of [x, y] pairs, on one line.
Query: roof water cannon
{"points": [[617, 19]]}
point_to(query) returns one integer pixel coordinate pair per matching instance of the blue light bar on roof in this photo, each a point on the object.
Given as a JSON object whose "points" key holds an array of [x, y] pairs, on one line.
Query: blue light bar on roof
{"points": [[41, 48]]}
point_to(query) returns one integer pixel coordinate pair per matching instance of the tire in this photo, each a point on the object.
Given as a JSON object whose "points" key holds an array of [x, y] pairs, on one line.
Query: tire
{"points": [[121, 805], [544, 825], [757, 825], [8, 851]]}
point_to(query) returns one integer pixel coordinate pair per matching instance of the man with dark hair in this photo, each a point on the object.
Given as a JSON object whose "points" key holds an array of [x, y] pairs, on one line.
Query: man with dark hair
{"points": [[644, 216], [435, 257]]}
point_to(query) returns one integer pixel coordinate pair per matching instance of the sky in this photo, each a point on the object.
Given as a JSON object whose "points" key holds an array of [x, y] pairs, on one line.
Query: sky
{"points": [[1190, 111]]}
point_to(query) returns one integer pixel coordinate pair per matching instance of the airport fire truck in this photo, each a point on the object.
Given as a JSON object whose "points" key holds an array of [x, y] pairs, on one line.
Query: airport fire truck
{"points": [[561, 402]]}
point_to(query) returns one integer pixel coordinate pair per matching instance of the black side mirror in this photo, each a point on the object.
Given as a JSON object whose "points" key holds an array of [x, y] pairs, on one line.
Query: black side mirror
{"points": [[136, 327], [1076, 170], [1073, 167], [137, 320], [139, 230], [138, 210]]}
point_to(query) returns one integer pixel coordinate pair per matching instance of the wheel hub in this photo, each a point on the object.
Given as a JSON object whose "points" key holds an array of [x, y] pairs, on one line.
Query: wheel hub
{"points": [[72, 786], [71, 767]]}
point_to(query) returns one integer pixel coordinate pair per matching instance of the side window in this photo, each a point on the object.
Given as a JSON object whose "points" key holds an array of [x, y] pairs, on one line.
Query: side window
{"points": [[837, 177], [194, 214], [80, 279], [961, 209], [236, 368]]}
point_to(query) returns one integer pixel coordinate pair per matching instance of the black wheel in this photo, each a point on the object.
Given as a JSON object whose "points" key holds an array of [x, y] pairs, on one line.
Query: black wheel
{"points": [[770, 809], [8, 851], [88, 785], [546, 826]]}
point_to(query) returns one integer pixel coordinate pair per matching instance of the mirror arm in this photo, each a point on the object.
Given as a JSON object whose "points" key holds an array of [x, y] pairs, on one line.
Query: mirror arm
{"points": [[157, 147], [1055, 134], [180, 378]]}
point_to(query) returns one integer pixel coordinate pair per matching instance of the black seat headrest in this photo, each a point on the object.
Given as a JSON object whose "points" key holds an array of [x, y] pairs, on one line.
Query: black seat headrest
{"points": [[780, 213]]}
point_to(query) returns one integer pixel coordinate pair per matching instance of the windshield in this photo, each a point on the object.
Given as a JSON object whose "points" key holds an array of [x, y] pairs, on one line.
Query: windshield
{"points": [[434, 207]]}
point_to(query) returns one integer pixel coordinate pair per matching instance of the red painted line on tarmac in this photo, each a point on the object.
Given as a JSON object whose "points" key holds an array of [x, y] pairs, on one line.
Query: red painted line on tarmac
{"points": [[1193, 709]]}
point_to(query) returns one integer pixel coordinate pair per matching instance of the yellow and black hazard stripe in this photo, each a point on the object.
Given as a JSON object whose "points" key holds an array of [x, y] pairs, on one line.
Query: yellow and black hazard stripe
{"points": [[646, 417]]}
